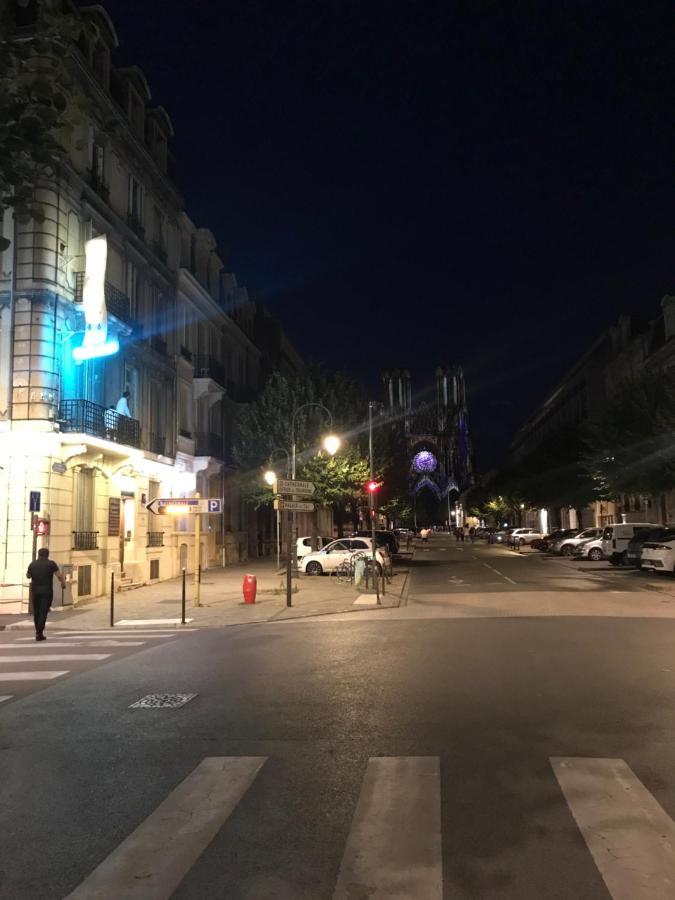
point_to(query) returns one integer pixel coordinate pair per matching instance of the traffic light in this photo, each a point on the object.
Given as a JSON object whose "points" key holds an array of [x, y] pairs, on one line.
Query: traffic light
{"points": [[373, 486]]}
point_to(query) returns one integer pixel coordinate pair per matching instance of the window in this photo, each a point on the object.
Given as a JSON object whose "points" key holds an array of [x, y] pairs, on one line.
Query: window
{"points": [[154, 569], [84, 500], [159, 232], [83, 580], [98, 163], [135, 200], [153, 490], [359, 545]]}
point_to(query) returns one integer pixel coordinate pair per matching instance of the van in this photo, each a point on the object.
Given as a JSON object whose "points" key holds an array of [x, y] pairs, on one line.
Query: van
{"points": [[615, 538]]}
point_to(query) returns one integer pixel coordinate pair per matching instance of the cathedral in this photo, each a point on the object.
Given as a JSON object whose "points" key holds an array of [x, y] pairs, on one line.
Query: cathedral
{"points": [[437, 444]]}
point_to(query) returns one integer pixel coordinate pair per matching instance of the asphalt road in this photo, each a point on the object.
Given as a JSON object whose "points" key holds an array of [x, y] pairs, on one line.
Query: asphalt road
{"points": [[472, 716]]}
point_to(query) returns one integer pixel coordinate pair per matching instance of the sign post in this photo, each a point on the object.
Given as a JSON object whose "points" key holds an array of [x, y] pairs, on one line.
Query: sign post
{"points": [[198, 556], [295, 489], [34, 506]]}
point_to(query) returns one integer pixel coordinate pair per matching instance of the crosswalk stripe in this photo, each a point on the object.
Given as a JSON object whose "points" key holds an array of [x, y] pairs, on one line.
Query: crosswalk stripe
{"points": [[98, 637], [99, 643], [630, 836], [45, 675], [152, 861], [394, 846], [136, 622], [54, 657]]}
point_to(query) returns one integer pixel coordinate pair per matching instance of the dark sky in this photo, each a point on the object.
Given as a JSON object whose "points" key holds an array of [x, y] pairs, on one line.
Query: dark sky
{"points": [[423, 183]]}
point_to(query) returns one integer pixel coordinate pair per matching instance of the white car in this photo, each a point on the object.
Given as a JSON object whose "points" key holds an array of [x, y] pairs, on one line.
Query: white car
{"points": [[590, 549], [304, 545], [329, 558], [567, 545], [520, 536], [659, 555]]}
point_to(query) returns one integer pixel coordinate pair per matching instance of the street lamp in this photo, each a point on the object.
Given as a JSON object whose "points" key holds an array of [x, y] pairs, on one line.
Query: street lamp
{"points": [[270, 477], [331, 444]]}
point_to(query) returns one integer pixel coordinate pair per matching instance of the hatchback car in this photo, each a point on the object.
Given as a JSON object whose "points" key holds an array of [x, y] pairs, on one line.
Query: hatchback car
{"points": [[659, 555], [332, 555], [591, 549], [521, 536], [567, 544], [304, 545], [633, 553]]}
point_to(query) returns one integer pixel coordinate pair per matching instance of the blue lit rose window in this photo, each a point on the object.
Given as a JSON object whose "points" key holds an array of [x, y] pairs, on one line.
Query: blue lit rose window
{"points": [[424, 461]]}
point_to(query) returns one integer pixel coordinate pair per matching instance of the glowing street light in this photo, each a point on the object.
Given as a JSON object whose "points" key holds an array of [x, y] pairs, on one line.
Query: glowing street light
{"points": [[331, 444], [270, 477]]}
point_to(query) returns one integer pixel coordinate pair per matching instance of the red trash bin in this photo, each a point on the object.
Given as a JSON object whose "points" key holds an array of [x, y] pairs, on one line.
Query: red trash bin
{"points": [[250, 588]]}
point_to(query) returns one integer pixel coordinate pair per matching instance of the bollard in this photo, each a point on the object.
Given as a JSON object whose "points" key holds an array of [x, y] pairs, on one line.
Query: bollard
{"points": [[182, 602], [112, 599], [250, 588]]}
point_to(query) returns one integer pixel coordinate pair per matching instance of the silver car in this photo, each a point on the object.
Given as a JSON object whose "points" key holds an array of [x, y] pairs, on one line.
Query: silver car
{"points": [[567, 545], [590, 549]]}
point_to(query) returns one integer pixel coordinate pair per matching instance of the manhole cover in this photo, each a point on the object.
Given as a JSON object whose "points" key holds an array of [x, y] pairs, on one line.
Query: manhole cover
{"points": [[161, 701]]}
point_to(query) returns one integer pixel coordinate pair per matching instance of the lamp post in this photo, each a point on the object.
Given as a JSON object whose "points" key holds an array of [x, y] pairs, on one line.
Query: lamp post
{"points": [[331, 444], [371, 498], [270, 477]]}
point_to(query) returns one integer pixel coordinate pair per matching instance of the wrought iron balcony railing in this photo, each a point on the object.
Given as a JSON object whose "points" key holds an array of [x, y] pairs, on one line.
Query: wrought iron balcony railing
{"points": [[85, 540], [90, 418], [209, 367], [116, 301], [208, 444]]}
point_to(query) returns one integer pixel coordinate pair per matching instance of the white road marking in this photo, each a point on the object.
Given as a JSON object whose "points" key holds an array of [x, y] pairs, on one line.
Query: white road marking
{"points": [[152, 861], [54, 657], [366, 600], [5, 697], [127, 622], [101, 642], [31, 676], [631, 837], [394, 846], [505, 577]]}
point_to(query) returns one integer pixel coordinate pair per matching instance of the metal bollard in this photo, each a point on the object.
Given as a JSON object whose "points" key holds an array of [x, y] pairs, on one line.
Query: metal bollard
{"points": [[182, 602], [112, 599]]}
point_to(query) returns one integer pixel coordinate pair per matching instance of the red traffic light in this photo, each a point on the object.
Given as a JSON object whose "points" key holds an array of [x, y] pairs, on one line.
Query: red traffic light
{"points": [[373, 486]]}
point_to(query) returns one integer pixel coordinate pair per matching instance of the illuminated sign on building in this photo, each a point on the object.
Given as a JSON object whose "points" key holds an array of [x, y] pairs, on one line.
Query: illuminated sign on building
{"points": [[96, 342]]}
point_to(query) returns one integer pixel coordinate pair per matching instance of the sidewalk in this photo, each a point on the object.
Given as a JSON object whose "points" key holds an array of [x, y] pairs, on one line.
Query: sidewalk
{"points": [[222, 600]]}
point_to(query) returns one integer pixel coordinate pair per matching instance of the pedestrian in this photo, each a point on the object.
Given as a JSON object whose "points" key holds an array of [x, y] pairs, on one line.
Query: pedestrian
{"points": [[457, 534], [424, 534], [41, 573], [472, 534], [123, 404]]}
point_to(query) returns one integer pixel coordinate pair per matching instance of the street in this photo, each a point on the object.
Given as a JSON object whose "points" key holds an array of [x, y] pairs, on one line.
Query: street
{"points": [[499, 725]]}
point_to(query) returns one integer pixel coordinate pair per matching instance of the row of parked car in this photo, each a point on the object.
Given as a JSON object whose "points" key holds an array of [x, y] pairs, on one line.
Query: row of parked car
{"points": [[331, 553], [643, 545]]}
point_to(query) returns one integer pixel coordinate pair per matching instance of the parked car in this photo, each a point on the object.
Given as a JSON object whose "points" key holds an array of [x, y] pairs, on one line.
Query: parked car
{"points": [[633, 553], [591, 549], [383, 538], [304, 545], [659, 555], [567, 544], [615, 538], [521, 536], [500, 536], [329, 558]]}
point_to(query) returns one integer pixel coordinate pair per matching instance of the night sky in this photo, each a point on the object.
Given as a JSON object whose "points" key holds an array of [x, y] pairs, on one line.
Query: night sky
{"points": [[423, 183]]}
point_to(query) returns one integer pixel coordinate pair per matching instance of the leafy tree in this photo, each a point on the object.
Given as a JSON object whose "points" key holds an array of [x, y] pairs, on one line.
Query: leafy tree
{"points": [[39, 104], [631, 448]]}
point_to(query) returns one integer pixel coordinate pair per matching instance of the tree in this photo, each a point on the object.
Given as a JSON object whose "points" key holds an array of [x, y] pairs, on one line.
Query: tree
{"points": [[39, 105], [631, 448]]}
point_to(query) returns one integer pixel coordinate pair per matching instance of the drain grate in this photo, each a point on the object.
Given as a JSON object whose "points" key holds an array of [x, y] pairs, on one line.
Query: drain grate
{"points": [[162, 701]]}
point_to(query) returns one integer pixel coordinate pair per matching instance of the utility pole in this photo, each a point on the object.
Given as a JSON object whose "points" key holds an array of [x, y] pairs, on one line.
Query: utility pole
{"points": [[198, 555]]}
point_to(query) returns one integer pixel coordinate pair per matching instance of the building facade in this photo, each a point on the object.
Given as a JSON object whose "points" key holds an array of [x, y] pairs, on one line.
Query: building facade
{"points": [[123, 359]]}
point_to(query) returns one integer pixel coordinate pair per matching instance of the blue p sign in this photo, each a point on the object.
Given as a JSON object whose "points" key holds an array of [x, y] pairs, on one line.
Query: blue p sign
{"points": [[214, 506]]}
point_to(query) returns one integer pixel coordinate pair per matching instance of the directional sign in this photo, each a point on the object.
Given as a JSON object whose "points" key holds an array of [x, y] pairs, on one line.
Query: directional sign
{"points": [[34, 501], [287, 486], [179, 506], [294, 505]]}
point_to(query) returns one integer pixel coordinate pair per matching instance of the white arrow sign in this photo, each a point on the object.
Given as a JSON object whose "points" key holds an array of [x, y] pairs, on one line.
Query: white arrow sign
{"points": [[179, 506], [287, 486], [294, 505]]}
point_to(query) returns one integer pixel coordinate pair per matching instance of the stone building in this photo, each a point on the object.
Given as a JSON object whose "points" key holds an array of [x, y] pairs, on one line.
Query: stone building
{"points": [[117, 291]]}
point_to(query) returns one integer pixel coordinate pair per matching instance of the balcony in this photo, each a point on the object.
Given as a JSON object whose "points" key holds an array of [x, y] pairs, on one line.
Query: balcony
{"points": [[208, 444], [96, 183], [117, 303], [209, 367], [158, 444], [134, 223], [85, 417], [85, 540], [155, 539]]}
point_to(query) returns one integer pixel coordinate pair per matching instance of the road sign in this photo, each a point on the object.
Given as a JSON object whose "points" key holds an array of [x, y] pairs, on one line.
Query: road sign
{"points": [[294, 505], [34, 501], [179, 506], [287, 486]]}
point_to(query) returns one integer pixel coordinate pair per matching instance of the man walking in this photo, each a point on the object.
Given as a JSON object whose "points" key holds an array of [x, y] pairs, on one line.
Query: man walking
{"points": [[41, 573]]}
